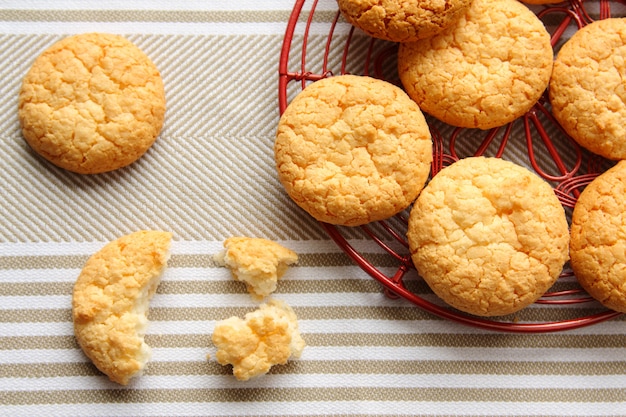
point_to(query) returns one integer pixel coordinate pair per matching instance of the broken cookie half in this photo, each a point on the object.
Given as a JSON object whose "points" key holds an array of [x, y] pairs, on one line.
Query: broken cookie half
{"points": [[110, 302]]}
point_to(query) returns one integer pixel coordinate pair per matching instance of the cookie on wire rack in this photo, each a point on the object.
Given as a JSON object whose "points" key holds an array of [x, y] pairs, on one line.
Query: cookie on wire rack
{"points": [[485, 71], [352, 149], [587, 88], [488, 236], [401, 20], [598, 238]]}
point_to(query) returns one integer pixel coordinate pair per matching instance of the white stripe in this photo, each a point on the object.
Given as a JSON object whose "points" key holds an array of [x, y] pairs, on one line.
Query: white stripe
{"points": [[363, 327], [349, 408], [165, 5], [449, 381], [351, 353], [352, 299], [165, 28], [213, 300], [300, 273]]}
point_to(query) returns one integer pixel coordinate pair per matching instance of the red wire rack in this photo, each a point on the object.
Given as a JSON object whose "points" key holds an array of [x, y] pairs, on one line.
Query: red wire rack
{"points": [[548, 149]]}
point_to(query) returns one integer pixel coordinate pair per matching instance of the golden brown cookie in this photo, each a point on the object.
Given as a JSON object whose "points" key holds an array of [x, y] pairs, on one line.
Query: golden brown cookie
{"points": [[110, 302], [265, 337], [92, 103], [598, 238], [257, 262], [486, 70], [488, 236], [402, 20], [587, 88], [353, 149], [541, 1]]}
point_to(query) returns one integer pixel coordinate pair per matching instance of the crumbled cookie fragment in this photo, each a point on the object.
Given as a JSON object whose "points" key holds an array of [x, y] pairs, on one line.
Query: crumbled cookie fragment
{"points": [[598, 238], [257, 262], [110, 302], [265, 337]]}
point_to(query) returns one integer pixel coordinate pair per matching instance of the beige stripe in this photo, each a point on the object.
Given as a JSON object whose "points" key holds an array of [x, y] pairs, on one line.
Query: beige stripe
{"points": [[184, 261], [495, 340], [558, 341], [311, 395], [399, 367], [304, 313], [206, 287], [183, 16]]}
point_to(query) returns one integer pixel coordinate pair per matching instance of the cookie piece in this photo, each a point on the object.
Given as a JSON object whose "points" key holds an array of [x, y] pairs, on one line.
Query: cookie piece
{"points": [[485, 71], [401, 20], [353, 149], [488, 236], [110, 302], [598, 238], [257, 262], [92, 103], [587, 89], [266, 337]]}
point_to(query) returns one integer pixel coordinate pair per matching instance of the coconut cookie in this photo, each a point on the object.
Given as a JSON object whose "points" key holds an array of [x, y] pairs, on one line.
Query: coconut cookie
{"points": [[488, 236], [598, 238], [92, 103], [486, 70], [257, 262], [401, 20], [353, 149], [587, 89], [265, 337], [110, 302]]}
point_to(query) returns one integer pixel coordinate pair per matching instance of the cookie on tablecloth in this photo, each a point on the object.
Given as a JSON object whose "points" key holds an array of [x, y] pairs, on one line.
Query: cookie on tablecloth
{"points": [[353, 149], [486, 70], [598, 238], [400, 20], [587, 88], [488, 236], [110, 302], [259, 263], [92, 103]]}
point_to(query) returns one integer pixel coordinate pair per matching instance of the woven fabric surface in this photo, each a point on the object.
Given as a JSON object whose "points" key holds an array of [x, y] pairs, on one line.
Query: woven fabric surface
{"points": [[210, 175]]}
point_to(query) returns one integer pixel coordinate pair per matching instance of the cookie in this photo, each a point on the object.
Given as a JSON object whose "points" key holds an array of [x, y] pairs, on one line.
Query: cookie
{"points": [[110, 302], [587, 89], [486, 70], [402, 21], [488, 236], [257, 262], [92, 103], [352, 149], [265, 337], [598, 238]]}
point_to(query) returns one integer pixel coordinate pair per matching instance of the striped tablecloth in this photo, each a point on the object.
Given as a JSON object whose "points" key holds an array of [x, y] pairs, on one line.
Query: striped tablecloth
{"points": [[210, 175]]}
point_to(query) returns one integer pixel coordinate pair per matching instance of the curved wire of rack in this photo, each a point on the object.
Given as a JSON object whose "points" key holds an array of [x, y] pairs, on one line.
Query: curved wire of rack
{"points": [[569, 175]]}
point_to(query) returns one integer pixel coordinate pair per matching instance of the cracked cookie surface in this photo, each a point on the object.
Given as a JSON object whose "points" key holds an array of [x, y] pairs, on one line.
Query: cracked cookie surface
{"points": [[110, 302], [402, 20], [488, 236], [353, 149], [598, 238], [587, 89], [92, 103], [486, 70]]}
